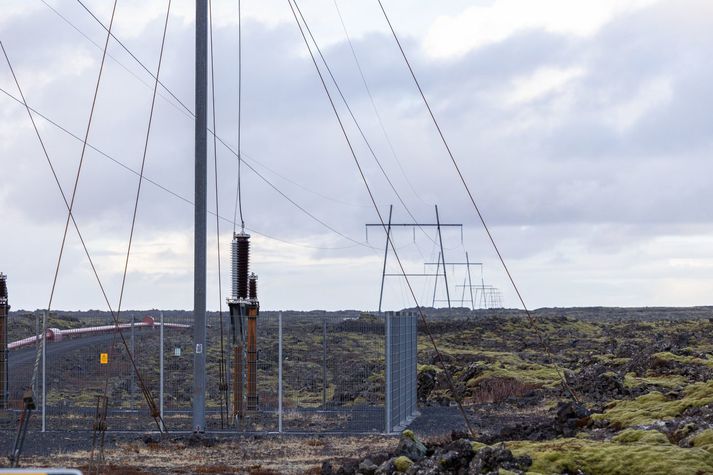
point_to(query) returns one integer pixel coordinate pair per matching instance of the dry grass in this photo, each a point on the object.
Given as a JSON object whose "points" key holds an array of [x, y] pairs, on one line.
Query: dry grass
{"points": [[496, 390], [262, 456]]}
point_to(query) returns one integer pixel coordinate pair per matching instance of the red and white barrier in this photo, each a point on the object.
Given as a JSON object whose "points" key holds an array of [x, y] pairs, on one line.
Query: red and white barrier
{"points": [[55, 334]]}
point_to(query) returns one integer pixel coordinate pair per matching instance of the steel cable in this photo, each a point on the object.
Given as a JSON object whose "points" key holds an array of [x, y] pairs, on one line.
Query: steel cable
{"points": [[449, 379], [373, 102], [530, 317], [356, 122], [147, 394]]}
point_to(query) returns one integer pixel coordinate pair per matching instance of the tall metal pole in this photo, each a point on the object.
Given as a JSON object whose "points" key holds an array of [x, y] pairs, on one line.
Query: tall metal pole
{"points": [[470, 282], [435, 281], [201, 183], [445, 272], [386, 252]]}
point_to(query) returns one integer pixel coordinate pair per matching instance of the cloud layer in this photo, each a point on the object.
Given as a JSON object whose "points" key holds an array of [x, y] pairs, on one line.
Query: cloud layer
{"points": [[586, 137]]}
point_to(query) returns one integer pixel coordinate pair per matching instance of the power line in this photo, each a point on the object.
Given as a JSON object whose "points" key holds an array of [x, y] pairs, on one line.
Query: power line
{"points": [[475, 206], [456, 395], [123, 46], [373, 102], [177, 195], [191, 114], [351, 113], [109, 55]]}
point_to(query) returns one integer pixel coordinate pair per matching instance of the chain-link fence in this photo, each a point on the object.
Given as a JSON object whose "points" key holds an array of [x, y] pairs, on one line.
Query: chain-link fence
{"points": [[316, 372]]}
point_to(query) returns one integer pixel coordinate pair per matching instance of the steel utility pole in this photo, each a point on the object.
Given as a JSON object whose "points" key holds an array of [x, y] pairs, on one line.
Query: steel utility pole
{"points": [[201, 182]]}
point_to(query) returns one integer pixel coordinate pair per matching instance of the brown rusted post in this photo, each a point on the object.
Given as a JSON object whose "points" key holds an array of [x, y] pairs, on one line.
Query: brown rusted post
{"points": [[252, 359], [238, 382]]}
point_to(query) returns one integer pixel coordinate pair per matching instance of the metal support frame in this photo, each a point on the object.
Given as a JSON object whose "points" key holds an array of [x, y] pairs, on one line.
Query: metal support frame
{"points": [[201, 183], [386, 253], [488, 295], [443, 256], [467, 264], [435, 282], [470, 283], [389, 227]]}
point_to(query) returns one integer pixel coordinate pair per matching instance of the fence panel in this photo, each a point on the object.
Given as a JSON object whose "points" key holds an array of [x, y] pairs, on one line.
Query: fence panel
{"points": [[334, 372]]}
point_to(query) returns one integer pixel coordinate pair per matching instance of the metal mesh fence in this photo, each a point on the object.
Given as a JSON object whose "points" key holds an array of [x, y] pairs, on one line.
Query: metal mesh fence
{"points": [[333, 374], [401, 361]]}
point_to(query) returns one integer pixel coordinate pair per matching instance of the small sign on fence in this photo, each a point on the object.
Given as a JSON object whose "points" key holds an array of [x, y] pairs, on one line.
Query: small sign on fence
{"points": [[104, 358]]}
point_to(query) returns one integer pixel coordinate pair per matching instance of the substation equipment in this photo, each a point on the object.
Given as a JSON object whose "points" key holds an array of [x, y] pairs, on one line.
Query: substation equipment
{"points": [[244, 310]]}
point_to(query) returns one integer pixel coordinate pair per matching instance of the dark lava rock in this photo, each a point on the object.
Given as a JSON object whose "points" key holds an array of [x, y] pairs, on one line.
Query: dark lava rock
{"points": [[426, 384], [348, 467], [386, 468], [196, 440], [570, 417], [598, 382], [411, 447], [456, 455], [492, 459], [367, 467], [327, 469]]}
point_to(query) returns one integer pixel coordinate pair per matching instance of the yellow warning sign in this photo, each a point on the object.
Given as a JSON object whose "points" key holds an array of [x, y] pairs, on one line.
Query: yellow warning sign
{"points": [[104, 358]]}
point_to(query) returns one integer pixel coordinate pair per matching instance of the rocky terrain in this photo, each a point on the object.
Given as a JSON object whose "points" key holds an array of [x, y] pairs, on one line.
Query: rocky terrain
{"points": [[619, 391]]}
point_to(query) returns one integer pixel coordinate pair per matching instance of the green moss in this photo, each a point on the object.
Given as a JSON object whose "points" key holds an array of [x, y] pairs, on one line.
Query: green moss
{"points": [[703, 440], [655, 406], [669, 381], [510, 365], [668, 356], [429, 367], [631, 436], [570, 455], [477, 446], [611, 359], [402, 463]]}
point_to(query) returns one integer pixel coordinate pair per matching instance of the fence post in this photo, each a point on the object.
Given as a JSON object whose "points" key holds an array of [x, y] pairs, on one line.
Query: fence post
{"points": [[160, 369], [132, 387], [324, 363], [415, 364], [388, 373], [44, 372], [279, 373]]}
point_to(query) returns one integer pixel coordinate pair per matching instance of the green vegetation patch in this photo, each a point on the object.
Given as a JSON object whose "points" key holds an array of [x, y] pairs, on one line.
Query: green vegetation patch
{"points": [[669, 381], [668, 356], [704, 440], [632, 436], [510, 365], [614, 458], [655, 406]]}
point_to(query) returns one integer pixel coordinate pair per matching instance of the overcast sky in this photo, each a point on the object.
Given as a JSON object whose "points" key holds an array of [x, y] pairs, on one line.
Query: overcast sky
{"points": [[584, 129]]}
